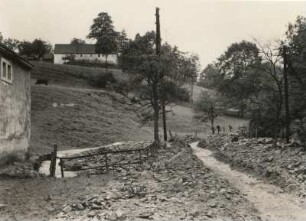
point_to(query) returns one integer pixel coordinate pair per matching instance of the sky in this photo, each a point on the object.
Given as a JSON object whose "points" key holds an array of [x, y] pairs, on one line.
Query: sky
{"points": [[202, 27]]}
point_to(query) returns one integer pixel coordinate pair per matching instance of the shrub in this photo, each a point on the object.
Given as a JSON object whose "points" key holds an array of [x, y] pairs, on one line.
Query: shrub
{"points": [[101, 80]]}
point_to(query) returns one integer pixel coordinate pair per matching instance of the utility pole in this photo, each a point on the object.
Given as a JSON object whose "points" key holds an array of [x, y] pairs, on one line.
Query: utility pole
{"points": [[158, 48], [155, 78], [158, 39], [286, 94]]}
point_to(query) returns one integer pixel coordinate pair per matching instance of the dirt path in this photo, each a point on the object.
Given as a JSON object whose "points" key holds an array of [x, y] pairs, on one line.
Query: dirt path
{"points": [[268, 199]]}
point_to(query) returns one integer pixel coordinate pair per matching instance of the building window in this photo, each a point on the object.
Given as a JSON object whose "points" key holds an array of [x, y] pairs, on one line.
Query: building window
{"points": [[99, 55], [6, 71], [81, 55], [90, 55]]}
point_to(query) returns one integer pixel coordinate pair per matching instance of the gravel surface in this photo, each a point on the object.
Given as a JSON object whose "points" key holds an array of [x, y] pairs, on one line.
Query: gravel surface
{"points": [[283, 165], [170, 186]]}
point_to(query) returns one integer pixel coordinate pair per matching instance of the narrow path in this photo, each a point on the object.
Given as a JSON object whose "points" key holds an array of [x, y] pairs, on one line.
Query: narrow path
{"points": [[272, 204]]}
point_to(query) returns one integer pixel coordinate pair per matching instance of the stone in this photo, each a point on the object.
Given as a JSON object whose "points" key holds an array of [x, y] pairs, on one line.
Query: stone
{"points": [[95, 206], [79, 206], [212, 204], [67, 209], [222, 190], [269, 140], [2, 206], [120, 214], [111, 216], [145, 214], [91, 214], [235, 139], [270, 158]]}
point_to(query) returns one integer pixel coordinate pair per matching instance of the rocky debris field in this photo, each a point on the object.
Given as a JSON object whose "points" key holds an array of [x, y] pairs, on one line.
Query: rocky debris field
{"points": [[281, 164], [171, 185], [18, 170]]}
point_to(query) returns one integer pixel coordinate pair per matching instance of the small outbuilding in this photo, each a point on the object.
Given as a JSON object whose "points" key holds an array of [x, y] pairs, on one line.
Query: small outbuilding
{"points": [[15, 104]]}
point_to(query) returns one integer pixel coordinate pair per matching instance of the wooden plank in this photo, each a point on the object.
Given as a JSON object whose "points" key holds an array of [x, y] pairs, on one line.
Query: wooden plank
{"points": [[62, 167], [53, 161]]}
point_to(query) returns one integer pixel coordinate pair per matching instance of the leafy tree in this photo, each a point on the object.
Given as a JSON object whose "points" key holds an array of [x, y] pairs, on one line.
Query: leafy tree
{"points": [[36, 49], [238, 59], [25, 48], [77, 41], [296, 59], [102, 30], [208, 104], [11, 43], [210, 77], [139, 58], [235, 65], [122, 41]]}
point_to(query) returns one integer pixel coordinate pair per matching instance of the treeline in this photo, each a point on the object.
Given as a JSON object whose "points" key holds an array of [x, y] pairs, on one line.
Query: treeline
{"points": [[250, 75], [34, 50], [158, 78]]}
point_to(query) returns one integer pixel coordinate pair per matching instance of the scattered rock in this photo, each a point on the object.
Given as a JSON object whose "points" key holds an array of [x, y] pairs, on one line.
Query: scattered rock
{"points": [[235, 139], [2, 206]]}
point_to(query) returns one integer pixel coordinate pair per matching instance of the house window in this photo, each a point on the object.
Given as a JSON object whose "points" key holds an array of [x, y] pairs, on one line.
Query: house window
{"points": [[6, 71], [99, 55], [81, 55], [90, 55]]}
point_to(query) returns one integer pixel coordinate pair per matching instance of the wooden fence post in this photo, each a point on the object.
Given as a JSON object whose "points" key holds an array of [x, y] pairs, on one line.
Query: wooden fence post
{"points": [[62, 167], [53, 161]]}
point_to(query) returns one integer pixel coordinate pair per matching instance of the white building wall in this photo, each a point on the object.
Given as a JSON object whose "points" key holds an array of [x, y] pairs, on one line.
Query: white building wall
{"points": [[15, 107], [112, 58]]}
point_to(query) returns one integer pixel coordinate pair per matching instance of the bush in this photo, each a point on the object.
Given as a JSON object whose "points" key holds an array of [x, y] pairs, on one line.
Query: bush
{"points": [[88, 63], [101, 80], [176, 93]]}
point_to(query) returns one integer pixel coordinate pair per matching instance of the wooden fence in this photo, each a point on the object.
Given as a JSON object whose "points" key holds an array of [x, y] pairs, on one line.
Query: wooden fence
{"points": [[143, 154]]}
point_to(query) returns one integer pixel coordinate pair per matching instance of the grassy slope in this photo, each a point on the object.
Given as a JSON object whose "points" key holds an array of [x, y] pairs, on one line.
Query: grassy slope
{"points": [[70, 75], [82, 118], [102, 118]]}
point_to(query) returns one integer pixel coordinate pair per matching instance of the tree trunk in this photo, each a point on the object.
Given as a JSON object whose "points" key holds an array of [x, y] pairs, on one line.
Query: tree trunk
{"points": [[106, 64], [212, 119], [156, 110], [164, 120]]}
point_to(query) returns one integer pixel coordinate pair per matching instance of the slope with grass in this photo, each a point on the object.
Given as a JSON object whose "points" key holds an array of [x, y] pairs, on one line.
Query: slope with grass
{"points": [[70, 75], [79, 118]]}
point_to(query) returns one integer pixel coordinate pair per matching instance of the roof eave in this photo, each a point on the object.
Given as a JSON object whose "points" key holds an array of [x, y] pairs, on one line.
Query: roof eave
{"points": [[15, 57]]}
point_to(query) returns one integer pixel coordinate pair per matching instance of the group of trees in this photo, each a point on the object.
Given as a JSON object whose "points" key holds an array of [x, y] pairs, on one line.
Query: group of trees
{"points": [[34, 50], [160, 77], [158, 70], [251, 77]]}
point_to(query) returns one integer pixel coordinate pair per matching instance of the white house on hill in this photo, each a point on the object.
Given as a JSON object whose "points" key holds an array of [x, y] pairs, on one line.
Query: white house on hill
{"points": [[81, 52]]}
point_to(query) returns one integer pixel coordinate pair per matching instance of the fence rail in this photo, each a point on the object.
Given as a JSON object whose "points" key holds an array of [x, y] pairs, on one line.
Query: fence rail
{"points": [[149, 150]]}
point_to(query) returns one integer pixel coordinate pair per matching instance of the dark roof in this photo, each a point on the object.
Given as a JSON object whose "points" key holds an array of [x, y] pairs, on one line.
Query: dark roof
{"points": [[75, 49], [10, 54]]}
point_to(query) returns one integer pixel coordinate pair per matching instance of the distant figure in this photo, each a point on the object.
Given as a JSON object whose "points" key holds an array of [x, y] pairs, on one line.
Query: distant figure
{"points": [[218, 129], [213, 130], [230, 128], [42, 81], [223, 129]]}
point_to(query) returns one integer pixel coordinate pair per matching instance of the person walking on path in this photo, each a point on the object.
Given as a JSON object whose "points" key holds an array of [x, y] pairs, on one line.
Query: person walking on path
{"points": [[230, 128], [218, 129]]}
